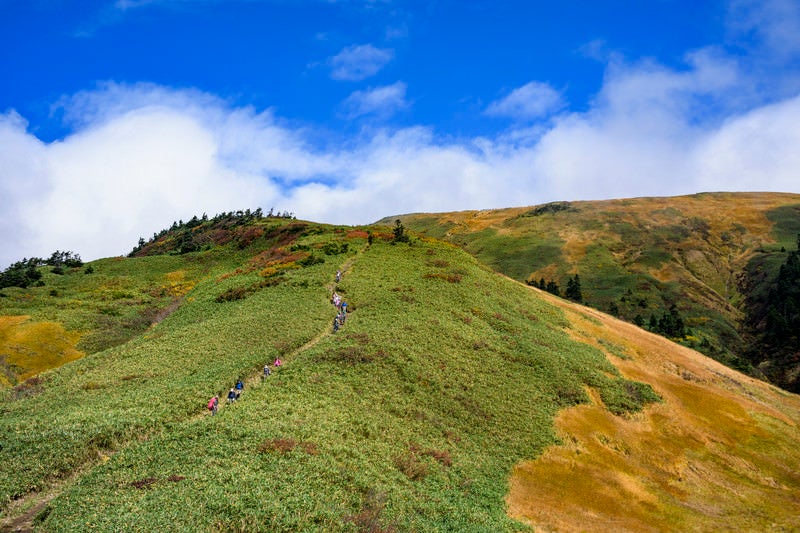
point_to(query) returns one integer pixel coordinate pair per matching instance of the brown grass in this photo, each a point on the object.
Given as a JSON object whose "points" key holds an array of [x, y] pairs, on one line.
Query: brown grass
{"points": [[719, 453]]}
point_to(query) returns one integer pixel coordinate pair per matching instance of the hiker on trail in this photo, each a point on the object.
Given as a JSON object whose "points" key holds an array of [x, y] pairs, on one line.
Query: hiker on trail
{"points": [[239, 386], [277, 362], [231, 395], [266, 371], [212, 404], [344, 308], [338, 276], [336, 300], [336, 323]]}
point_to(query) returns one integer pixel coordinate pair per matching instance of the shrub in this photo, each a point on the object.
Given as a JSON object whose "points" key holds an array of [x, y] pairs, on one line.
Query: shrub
{"points": [[286, 445], [249, 235], [144, 483], [280, 445], [311, 260], [368, 519], [233, 294], [452, 277], [334, 248], [28, 388], [411, 465], [442, 456]]}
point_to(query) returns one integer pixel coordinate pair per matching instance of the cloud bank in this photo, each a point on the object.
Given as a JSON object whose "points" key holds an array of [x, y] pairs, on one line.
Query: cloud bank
{"points": [[141, 156]]}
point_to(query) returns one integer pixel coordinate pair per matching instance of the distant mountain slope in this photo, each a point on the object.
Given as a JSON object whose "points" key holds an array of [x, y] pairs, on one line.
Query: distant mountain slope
{"points": [[422, 413], [638, 257]]}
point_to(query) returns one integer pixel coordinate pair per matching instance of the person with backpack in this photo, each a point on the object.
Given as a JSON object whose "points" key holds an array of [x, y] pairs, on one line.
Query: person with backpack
{"points": [[336, 323], [212, 404], [231, 395], [277, 362], [266, 372], [239, 386]]}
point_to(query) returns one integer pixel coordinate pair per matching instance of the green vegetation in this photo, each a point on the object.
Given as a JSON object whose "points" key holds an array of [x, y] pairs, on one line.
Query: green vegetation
{"points": [[773, 319], [409, 418], [682, 261], [26, 272], [786, 220]]}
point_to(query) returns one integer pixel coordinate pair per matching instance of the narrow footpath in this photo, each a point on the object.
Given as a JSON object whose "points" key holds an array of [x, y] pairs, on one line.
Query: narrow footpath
{"points": [[22, 513]]}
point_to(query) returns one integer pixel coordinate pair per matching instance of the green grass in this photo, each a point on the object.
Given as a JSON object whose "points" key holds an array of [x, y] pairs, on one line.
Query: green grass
{"points": [[410, 417], [700, 243], [787, 225], [514, 255]]}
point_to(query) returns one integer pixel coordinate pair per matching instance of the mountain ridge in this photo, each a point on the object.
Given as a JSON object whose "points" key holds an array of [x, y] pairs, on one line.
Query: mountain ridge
{"points": [[704, 253], [449, 388]]}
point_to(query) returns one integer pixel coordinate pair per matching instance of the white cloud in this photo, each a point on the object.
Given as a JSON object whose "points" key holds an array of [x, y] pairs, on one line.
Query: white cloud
{"points": [[753, 151], [359, 62], [142, 156], [531, 101], [380, 101], [774, 23]]}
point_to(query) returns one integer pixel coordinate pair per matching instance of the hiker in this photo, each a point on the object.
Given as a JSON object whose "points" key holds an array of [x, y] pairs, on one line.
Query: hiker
{"points": [[277, 362], [336, 323], [212, 404], [231, 395], [239, 386], [266, 371], [338, 276], [344, 308]]}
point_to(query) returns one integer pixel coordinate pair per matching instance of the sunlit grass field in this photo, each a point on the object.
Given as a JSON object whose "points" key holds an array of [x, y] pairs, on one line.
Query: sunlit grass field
{"points": [[411, 417]]}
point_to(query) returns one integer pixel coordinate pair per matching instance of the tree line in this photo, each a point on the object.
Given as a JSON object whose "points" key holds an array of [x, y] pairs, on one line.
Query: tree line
{"points": [[669, 323], [573, 290], [26, 272], [773, 323], [183, 230]]}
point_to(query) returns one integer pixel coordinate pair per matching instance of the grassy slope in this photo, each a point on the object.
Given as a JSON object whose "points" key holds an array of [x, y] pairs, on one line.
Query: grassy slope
{"points": [[103, 400], [718, 454], [412, 416], [687, 250], [78, 313], [446, 379]]}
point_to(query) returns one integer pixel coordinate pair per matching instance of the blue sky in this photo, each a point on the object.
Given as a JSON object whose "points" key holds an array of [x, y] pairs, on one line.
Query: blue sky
{"points": [[118, 117]]}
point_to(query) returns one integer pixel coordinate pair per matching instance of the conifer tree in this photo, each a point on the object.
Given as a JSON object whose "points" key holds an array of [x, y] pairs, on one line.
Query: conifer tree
{"points": [[573, 291]]}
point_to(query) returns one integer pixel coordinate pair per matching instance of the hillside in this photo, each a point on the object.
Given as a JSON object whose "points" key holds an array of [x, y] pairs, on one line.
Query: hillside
{"points": [[452, 398], [710, 255]]}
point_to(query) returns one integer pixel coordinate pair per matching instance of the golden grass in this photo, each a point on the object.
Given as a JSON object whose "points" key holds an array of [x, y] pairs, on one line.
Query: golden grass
{"points": [[720, 452], [28, 348], [575, 243], [176, 283]]}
